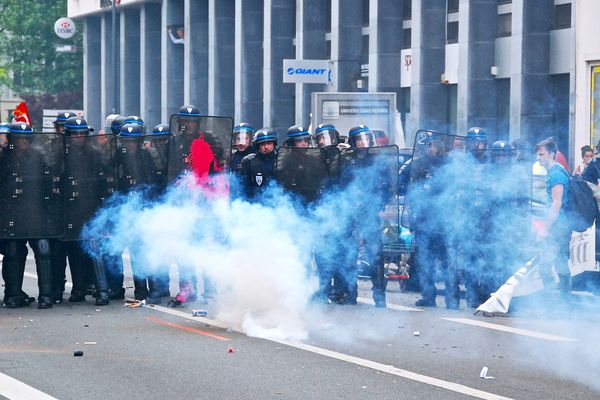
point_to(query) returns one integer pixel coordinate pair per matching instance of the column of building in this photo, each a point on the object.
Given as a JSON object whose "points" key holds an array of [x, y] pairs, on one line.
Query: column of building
{"points": [[346, 39], [150, 68], [129, 59], [221, 35], [195, 83], [172, 59], [92, 70], [108, 98], [249, 62]]}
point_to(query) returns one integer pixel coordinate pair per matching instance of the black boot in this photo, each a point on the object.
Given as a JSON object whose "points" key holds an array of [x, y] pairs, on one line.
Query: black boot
{"points": [[140, 291], [43, 264], [13, 269], [155, 292], [78, 263], [102, 298]]}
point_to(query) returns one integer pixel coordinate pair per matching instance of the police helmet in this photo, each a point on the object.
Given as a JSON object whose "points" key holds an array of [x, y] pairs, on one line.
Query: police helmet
{"points": [[133, 119], [477, 133], [4, 127], [62, 117], [117, 122], [361, 134], [242, 133], [76, 126], [189, 111], [426, 138], [161, 129], [296, 133], [500, 148], [20, 127], [264, 135], [131, 129], [326, 135]]}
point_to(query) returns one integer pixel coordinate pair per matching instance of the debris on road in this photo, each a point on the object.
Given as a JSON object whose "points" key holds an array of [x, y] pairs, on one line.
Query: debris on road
{"points": [[90, 342], [230, 349], [78, 353], [416, 333], [134, 303], [199, 313], [483, 374]]}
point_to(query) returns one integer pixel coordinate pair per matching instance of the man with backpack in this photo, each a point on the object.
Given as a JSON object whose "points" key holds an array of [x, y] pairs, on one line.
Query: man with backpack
{"points": [[555, 233]]}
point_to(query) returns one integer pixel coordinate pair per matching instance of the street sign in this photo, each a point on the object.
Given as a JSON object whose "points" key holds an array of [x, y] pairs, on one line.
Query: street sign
{"points": [[67, 48], [306, 71], [64, 28]]}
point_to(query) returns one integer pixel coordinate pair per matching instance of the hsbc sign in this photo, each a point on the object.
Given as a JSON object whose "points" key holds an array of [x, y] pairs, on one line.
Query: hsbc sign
{"points": [[64, 28], [306, 71]]}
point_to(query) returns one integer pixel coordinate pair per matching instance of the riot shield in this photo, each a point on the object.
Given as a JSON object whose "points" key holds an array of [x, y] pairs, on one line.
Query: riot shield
{"points": [[90, 178], [31, 166], [155, 153], [307, 172], [214, 131], [372, 174], [131, 169]]}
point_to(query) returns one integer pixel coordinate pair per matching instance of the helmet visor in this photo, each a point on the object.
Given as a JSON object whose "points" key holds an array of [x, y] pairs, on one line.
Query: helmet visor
{"points": [[363, 139], [326, 138], [241, 138]]}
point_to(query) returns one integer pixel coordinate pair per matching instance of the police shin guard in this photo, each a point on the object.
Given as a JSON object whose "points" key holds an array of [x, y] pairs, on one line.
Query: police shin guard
{"points": [[13, 269], [43, 264], [102, 298], [140, 291]]}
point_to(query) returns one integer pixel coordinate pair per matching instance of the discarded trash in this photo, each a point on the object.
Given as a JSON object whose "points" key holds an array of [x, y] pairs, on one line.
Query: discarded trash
{"points": [[230, 349], [90, 342], [483, 374], [134, 303], [199, 313], [78, 353], [86, 325], [416, 333]]}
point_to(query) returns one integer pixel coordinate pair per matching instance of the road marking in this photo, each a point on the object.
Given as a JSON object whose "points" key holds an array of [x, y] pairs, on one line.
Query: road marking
{"points": [[518, 331], [14, 389], [390, 369], [390, 306], [187, 328]]}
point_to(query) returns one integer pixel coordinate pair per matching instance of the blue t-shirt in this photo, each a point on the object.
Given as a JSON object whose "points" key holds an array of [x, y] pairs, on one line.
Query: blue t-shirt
{"points": [[557, 175]]}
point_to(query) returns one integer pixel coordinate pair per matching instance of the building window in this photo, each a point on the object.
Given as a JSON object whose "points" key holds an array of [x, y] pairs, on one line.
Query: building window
{"points": [[406, 38], [504, 1], [504, 25], [365, 13], [452, 32], [407, 10], [328, 18], [562, 16], [452, 6]]}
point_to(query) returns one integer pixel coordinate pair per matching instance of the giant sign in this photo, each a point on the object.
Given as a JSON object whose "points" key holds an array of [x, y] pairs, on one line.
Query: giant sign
{"points": [[306, 71]]}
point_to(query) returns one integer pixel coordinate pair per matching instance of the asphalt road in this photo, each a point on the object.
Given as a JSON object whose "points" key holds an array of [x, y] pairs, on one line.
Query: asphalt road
{"points": [[352, 352]]}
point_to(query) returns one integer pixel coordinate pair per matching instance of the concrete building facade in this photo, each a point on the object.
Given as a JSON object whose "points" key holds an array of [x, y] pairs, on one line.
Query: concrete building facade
{"points": [[511, 67]]}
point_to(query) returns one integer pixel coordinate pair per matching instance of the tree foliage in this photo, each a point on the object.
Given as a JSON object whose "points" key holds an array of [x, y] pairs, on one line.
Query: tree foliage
{"points": [[28, 56]]}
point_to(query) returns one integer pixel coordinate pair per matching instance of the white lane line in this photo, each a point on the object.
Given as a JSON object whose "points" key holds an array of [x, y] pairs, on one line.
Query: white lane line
{"points": [[389, 369], [14, 389], [518, 331], [396, 307], [34, 276]]}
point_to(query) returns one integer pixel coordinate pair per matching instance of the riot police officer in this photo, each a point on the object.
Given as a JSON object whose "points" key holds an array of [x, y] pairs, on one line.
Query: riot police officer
{"points": [[59, 257], [17, 164], [366, 224], [83, 200], [242, 136], [258, 169], [297, 136], [326, 135]]}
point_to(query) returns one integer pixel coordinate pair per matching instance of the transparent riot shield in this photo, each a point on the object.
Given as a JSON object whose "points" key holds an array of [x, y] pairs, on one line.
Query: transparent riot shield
{"points": [[372, 177], [155, 153], [31, 166], [212, 137], [131, 169], [90, 178], [306, 172]]}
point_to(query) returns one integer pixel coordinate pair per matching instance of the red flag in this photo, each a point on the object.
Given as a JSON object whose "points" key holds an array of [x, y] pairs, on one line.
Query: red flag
{"points": [[21, 114]]}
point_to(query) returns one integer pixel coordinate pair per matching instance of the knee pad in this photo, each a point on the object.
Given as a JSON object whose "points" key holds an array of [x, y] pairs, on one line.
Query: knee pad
{"points": [[41, 247]]}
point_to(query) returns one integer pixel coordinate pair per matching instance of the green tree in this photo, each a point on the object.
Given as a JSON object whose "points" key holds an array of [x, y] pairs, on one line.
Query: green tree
{"points": [[29, 62]]}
